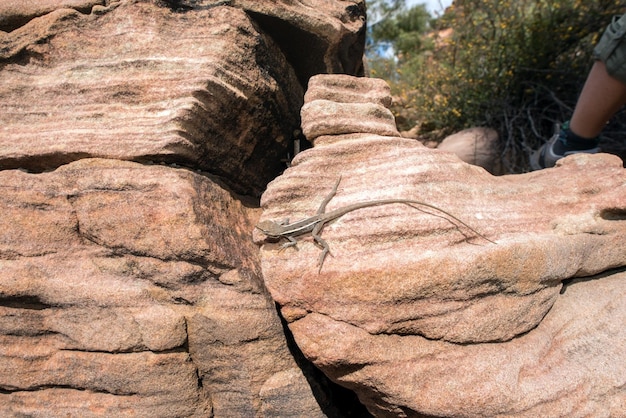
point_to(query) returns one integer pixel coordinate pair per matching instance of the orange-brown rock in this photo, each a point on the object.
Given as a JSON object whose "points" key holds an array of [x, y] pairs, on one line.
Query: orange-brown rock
{"points": [[570, 365], [129, 285], [336, 108], [133, 290], [476, 146], [153, 93], [316, 36], [16, 13], [418, 313], [198, 85]]}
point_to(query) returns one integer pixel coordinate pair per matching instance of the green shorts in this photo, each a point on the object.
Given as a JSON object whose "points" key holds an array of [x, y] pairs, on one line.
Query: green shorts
{"points": [[612, 48]]}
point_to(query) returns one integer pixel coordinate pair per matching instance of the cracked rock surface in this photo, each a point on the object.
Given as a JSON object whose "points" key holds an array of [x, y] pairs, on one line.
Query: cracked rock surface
{"points": [[421, 315], [135, 139], [118, 295], [199, 84]]}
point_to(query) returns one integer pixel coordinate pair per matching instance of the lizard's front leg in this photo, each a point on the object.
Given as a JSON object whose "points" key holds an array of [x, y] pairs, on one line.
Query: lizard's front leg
{"points": [[292, 242]]}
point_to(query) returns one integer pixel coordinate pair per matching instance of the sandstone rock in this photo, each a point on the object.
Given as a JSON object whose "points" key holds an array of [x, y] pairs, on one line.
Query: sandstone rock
{"points": [[328, 117], [151, 92], [134, 290], [16, 13], [199, 83], [571, 365], [278, 391], [317, 36], [363, 108], [346, 89], [476, 146], [419, 314]]}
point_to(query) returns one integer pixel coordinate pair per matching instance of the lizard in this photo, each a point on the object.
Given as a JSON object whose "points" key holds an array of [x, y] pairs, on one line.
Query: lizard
{"points": [[274, 231]]}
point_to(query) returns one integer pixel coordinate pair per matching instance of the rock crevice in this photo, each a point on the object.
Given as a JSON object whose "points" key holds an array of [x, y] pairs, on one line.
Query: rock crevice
{"points": [[133, 137]]}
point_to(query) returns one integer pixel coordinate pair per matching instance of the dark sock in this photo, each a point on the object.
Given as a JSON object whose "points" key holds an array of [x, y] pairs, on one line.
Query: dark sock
{"points": [[569, 141]]}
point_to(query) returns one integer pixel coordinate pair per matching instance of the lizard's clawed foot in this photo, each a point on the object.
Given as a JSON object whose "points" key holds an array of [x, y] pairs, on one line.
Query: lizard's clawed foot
{"points": [[290, 243], [322, 257]]}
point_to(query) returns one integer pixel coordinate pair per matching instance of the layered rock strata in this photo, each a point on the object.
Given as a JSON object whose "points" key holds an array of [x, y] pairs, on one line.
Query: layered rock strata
{"points": [[420, 314], [129, 290], [129, 285], [196, 84], [153, 93]]}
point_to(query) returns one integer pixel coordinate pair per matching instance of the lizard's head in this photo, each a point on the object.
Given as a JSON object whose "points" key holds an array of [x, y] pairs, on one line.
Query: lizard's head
{"points": [[269, 228]]}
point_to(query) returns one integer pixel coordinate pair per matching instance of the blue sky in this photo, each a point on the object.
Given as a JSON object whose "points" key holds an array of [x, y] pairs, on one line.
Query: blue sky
{"points": [[433, 6]]}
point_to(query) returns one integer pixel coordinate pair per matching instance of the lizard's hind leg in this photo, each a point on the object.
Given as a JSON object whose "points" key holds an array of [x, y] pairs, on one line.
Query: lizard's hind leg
{"points": [[320, 242]]}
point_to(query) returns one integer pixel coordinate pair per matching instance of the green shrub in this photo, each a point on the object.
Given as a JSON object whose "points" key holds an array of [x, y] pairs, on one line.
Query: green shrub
{"points": [[516, 66]]}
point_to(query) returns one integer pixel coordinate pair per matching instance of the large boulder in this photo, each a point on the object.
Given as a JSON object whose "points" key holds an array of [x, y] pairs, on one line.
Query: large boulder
{"points": [[132, 290], [140, 82], [202, 85], [476, 146], [129, 285], [507, 299]]}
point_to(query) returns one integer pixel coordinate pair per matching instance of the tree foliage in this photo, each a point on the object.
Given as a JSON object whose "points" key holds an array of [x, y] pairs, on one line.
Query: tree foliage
{"points": [[404, 31], [514, 65], [401, 33]]}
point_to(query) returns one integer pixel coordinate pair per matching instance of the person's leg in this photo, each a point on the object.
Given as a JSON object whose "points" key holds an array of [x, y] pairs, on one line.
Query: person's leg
{"points": [[602, 96]]}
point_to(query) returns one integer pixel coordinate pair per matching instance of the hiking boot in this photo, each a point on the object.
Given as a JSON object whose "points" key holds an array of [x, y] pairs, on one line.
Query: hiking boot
{"points": [[555, 149]]}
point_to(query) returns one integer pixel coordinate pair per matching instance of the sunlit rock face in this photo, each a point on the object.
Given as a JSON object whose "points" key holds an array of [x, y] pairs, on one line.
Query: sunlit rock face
{"points": [[201, 85], [130, 132], [506, 299]]}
